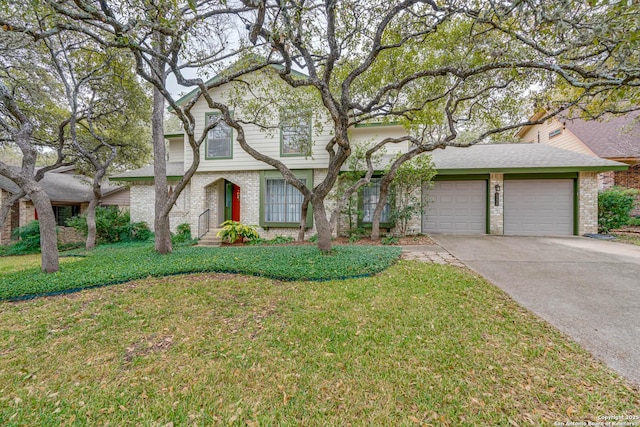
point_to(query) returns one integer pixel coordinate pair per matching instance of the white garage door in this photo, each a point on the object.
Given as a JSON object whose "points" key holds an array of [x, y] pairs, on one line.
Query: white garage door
{"points": [[458, 207], [538, 207]]}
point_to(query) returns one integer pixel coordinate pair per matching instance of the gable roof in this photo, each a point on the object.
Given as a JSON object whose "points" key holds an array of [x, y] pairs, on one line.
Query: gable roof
{"points": [[218, 77], [613, 137], [63, 187], [517, 158]]}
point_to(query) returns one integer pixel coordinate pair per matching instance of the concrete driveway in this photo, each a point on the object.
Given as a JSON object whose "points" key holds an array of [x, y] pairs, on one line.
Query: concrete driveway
{"points": [[587, 288]]}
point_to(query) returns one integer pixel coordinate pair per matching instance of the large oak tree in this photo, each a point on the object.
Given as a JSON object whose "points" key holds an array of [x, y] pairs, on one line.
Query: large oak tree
{"points": [[455, 73]]}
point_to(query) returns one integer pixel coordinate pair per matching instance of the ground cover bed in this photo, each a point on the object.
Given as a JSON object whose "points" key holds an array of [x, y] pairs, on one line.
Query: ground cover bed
{"points": [[416, 344], [112, 264]]}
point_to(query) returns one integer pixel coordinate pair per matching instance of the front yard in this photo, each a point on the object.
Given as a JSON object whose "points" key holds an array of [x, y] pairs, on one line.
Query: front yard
{"points": [[417, 344]]}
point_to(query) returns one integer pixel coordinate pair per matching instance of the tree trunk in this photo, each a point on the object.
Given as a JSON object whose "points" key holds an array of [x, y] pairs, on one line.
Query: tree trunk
{"points": [[303, 219], [91, 224], [377, 213], [48, 236], [322, 225], [161, 225]]}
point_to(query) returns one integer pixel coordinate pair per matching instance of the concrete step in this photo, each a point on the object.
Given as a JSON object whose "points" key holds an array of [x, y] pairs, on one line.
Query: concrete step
{"points": [[211, 238]]}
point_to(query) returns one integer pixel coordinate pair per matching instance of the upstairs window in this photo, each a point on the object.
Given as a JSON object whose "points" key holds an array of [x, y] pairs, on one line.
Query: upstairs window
{"points": [[219, 139], [295, 133], [555, 133]]}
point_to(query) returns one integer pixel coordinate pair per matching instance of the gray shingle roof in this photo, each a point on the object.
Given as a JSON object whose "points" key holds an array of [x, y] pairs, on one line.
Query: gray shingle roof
{"points": [[511, 158], [63, 187], [612, 137], [173, 169], [515, 158]]}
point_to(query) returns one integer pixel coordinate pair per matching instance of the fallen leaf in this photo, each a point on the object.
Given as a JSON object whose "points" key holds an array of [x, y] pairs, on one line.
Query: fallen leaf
{"points": [[414, 419]]}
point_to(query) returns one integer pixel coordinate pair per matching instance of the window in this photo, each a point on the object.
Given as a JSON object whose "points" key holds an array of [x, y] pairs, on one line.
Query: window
{"points": [[370, 197], [63, 213], [555, 133], [295, 134], [218, 139], [281, 202]]}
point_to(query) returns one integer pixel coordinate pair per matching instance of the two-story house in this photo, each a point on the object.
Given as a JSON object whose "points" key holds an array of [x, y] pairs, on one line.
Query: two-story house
{"points": [[496, 189]]}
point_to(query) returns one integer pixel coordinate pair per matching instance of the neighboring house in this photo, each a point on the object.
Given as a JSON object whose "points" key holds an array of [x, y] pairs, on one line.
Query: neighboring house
{"points": [[497, 189], [613, 137], [69, 194]]}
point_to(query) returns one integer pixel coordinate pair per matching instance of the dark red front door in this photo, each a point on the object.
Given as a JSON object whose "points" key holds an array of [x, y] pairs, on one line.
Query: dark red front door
{"points": [[235, 203]]}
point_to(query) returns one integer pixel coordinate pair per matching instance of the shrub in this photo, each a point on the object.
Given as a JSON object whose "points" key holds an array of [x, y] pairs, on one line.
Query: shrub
{"points": [[183, 233], [614, 206], [634, 222], [281, 240], [258, 242], [389, 240], [112, 224], [356, 234], [139, 232], [29, 239], [233, 231]]}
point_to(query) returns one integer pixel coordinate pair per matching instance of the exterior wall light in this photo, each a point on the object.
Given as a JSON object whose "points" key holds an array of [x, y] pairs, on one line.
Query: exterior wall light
{"points": [[497, 195]]}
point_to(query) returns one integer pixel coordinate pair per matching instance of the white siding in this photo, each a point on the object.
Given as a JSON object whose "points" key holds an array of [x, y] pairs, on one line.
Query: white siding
{"points": [[176, 149], [268, 142], [565, 140]]}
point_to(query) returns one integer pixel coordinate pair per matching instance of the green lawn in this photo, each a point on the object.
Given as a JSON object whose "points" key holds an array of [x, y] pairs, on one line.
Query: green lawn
{"points": [[112, 264], [9, 264], [417, 344]]}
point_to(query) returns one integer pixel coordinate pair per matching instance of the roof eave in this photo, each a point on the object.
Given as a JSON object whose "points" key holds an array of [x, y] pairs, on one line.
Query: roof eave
{"points": [[143, 178], [525, 170]]}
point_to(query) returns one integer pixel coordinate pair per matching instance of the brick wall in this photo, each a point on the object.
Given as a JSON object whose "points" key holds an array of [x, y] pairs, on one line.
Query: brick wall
{"points": [[27, 212], [630, 179], [5, 229], [606, 180], [142, 207], [205, 192], [69, 235], [587, 203]]}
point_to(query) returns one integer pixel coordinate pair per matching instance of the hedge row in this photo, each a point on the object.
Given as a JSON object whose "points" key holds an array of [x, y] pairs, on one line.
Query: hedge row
{"points": [[122, 263]]}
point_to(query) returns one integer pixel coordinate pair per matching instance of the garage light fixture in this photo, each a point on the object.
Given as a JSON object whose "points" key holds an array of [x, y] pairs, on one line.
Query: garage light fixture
{"points": [[497, 195]]}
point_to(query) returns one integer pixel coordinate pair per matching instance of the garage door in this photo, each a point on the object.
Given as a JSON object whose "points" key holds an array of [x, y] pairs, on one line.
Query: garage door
{"points": [[458, 207], [538, 207]]}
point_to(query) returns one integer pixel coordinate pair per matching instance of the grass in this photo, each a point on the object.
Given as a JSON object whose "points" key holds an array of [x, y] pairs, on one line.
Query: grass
{"points": [[633, 239], [418, 344], [10, 264], [124, 262]]}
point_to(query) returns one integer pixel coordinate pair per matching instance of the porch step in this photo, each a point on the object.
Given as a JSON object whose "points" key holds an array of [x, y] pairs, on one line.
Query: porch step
{"points": [[211, 238]]}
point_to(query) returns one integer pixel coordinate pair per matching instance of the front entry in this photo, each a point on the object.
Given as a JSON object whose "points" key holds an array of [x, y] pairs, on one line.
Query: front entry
{"points": [[231, 201]]}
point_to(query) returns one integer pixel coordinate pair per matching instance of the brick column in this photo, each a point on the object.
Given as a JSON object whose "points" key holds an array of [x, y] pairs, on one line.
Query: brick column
{"points": [[496, 213], [587, 203]]}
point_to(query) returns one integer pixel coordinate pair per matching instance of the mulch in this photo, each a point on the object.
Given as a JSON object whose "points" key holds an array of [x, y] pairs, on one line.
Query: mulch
{"points": [[402, 241]]}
